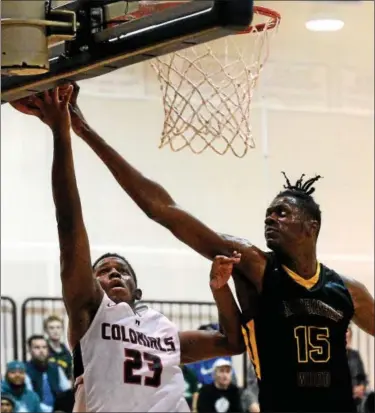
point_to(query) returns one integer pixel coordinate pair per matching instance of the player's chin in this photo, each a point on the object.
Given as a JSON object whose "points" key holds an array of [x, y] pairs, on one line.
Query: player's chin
{"points": [[273, 244], [119, 294]]}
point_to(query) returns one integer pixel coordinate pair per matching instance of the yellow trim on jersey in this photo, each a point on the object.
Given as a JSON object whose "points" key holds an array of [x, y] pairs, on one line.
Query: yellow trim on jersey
{"points": [[251, 346], [302, 281]]}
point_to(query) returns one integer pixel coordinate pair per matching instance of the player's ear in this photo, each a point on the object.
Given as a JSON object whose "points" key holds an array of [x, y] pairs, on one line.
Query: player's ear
{"points": [[138, 294], [313, 227]]}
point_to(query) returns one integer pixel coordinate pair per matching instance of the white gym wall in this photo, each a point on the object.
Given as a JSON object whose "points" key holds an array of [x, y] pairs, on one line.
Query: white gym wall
{"points": [[313, 113]]}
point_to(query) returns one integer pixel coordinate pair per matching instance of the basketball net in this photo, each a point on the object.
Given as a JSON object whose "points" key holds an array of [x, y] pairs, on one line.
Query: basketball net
{"points": [[207, 89]]}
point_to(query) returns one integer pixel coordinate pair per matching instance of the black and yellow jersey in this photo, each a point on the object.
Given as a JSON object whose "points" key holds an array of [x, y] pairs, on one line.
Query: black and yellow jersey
{"points": [[297, 341]]}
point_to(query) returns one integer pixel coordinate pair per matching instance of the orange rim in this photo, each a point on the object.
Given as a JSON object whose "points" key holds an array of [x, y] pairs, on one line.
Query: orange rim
{"points": [[264, 11]]}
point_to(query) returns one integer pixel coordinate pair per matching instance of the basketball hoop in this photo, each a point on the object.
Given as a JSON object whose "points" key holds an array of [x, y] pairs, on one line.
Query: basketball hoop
{"points": [[208, 88]]}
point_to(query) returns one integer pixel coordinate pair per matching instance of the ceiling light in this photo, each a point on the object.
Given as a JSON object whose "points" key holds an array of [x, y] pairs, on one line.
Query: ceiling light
{"points": [[324, 25]]}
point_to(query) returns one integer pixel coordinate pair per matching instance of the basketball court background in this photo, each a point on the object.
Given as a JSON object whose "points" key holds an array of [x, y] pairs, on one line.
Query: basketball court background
{"points": [[312, 113]]}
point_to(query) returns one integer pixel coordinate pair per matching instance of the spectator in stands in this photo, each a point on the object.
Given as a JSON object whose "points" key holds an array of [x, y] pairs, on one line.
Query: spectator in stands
{"points": [[222, 395], [203, 369], [24, 399], [191, 387], [8, 404], [357, 371], [249, 396], [47, 379], [58, 352]]}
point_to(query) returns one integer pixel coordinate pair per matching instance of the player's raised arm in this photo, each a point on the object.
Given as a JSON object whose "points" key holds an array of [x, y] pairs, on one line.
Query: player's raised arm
{"points": [[200, 345], [158, 204], [364, 305], [81, 292]]}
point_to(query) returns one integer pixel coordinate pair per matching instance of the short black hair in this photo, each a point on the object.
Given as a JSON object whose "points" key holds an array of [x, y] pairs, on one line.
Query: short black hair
{"points": [[302, 191], [35, 337], [115, 255]]}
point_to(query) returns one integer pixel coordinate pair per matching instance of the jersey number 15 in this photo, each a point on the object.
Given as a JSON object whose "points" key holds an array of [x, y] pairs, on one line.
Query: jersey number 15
{"points": [[134, 360], [312, 344]]}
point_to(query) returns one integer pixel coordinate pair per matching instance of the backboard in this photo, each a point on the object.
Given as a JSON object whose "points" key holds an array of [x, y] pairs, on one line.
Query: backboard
{"points": [[103, 43]]}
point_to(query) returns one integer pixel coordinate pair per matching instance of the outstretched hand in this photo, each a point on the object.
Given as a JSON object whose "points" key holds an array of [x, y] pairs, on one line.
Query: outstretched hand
{"points": [[52, 109], [222, 268]]}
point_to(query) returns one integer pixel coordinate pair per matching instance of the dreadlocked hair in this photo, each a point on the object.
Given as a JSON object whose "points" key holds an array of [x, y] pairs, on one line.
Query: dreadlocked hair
{"points": [[115, 255], [302, 191]]}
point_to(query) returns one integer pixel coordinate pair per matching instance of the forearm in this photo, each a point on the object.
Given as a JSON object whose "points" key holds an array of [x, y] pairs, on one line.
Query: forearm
{"points": [[194, 402], [229, 318], [80, 289], [147, 194], [157, 204], [64, 184]]}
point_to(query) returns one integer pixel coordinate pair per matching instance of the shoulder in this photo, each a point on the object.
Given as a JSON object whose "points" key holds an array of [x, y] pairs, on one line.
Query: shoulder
{"points": [[355, 287], [351, 283], [53, 366], [340, 281], [145, 311], [333, 276], [32, 395]]}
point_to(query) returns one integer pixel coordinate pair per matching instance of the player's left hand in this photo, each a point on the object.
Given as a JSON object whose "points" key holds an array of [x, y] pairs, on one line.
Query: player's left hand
{"points": [[222, 268], [54, 108], [50, 106]]}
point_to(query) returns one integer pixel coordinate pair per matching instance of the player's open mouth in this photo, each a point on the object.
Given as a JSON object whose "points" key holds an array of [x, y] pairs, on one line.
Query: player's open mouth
{"points": [[271, 230], [117, 283], [118, 289]]}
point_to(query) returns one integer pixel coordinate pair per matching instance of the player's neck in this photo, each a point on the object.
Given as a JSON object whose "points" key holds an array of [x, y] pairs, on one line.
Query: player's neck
{"points": [[304, 264]]}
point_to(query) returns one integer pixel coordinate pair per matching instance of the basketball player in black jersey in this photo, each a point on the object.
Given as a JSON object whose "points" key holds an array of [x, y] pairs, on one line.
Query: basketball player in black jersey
{"points": [[296, 308]]}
